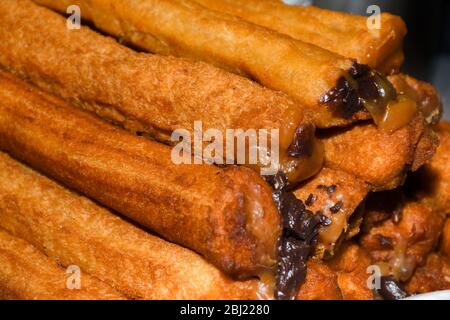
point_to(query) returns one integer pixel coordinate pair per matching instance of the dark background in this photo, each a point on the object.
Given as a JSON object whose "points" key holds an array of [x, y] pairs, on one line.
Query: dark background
{"points": [[427, 45]]}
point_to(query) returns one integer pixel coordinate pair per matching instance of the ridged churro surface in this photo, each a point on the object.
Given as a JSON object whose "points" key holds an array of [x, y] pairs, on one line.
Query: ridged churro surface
{"points": [[227, 215], [27, 274], [73, 230]]}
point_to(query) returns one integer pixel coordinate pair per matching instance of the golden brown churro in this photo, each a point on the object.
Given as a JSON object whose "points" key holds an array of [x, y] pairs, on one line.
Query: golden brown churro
{"points": [[403, 245], [433, 276], [343, 33], [336, 89], [151, 94], [227, 215], [431, 184], [27, 274], [380, 159], [71, 229]]}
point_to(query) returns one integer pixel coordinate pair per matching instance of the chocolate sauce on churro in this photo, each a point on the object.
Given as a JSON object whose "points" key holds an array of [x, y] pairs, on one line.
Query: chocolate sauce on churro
{"points": [[300, 232], [363, 88]]}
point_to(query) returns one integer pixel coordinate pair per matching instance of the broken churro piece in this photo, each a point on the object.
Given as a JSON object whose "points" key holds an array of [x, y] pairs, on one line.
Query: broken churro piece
{"points": [[405, 244], [433, 276]]}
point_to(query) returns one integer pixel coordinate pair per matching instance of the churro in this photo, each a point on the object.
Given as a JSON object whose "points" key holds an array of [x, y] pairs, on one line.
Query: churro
{"points": [[346, 34], [73, 230], [154, 95], [336, 89], [227, 215]]}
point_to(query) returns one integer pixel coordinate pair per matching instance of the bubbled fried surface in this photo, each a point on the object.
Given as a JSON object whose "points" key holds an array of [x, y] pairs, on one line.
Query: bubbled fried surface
{"points": [[409, 241], [73, 230], [27, 274], [320, 283], [434, 275], [351, 265], [431, 184]]}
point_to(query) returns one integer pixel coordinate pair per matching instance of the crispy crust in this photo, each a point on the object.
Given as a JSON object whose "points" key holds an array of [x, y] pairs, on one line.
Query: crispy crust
{"points": [[185, 28], [320, 283], [349, 191], [27, 274], [405, 244], [431, 184], [71, 229], [433, 276], [338, 32], [148, 94], [351, 265], [380, 159], [227, 215]]}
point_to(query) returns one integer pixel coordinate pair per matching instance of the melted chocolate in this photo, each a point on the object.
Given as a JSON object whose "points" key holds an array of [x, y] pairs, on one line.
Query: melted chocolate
{"points": [[300, 231], [391, 289], [348, 96], [303, 143]]}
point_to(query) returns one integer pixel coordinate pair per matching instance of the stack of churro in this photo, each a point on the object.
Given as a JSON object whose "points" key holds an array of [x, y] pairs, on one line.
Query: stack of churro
{"points": [[88, 180]]}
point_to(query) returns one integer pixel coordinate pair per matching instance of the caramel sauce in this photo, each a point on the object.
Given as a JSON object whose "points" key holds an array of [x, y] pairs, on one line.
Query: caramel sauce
{"points": [[363, 87]]}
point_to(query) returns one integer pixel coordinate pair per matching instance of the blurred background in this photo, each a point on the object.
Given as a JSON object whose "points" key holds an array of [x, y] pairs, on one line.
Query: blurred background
{"points": [[427, 45]]}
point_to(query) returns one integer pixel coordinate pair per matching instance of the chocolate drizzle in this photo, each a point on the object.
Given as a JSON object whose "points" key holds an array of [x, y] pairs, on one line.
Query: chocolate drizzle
{"points": [[391, 289], [350, 93], [300, 231]]}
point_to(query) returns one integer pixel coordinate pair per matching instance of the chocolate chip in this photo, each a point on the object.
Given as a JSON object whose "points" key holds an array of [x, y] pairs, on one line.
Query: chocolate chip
{"points": [[390, 289], [311, 199], [338, 205], [303, 143]]}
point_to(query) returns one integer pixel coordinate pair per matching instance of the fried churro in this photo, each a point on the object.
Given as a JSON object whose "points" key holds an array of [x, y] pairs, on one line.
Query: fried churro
{"points": [[431, 184], [380, 159], [227, 215], [337, 195], [346, 34], [150, 94], [336, 89], [399, 246], [27, 274]]}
